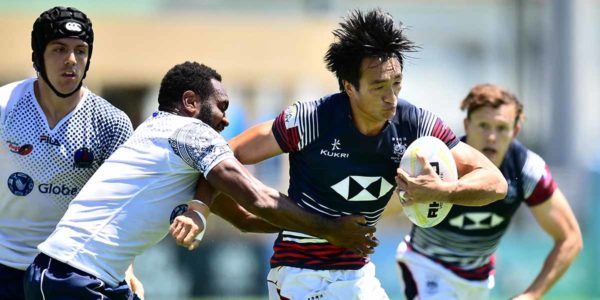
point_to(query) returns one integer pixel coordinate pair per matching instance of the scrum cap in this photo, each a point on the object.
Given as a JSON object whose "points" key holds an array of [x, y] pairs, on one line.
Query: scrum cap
{"points": [[56, 23]]}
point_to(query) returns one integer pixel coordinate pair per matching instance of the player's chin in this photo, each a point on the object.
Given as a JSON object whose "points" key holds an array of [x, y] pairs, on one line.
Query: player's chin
{"points": [[389, 114]]}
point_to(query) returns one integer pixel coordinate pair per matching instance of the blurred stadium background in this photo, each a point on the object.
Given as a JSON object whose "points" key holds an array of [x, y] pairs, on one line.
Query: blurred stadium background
{"points": [[270, 54]]}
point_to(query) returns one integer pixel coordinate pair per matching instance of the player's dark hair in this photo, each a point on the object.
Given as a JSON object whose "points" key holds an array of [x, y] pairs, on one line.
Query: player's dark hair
{"points": [[491, 95], [363, 35], [182, 77], [56, 23]]}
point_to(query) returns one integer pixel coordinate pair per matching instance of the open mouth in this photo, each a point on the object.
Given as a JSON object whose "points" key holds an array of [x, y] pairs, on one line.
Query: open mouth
{"points": [[489, 151], [69, 74]]}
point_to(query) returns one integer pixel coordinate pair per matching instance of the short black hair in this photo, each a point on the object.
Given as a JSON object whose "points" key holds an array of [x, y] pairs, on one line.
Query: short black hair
{"points": [[364, 35], [182, 77]]}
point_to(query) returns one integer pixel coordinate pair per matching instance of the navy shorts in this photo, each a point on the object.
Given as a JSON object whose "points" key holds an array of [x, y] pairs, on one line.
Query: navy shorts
{"points": [[11, 283], [51, 279]]}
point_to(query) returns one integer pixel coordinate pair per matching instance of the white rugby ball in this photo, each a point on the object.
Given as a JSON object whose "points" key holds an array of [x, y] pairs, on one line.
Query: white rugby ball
{"points": [[440, 158]]}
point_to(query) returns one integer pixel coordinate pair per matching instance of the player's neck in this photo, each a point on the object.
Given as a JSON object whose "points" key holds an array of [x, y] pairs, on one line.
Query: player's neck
{"points": [[365, 124], [55, 108]]}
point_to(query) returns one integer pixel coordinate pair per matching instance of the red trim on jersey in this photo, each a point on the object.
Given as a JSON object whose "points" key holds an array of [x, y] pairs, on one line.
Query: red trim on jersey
{"points": [[442, 132], [289, 139], [315, 256], [543, 189], [481, 273]]}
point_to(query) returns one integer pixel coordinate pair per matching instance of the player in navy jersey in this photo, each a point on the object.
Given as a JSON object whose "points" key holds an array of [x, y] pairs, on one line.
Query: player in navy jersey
{"points": [[54, 134], [344, 151], [455, 259]]}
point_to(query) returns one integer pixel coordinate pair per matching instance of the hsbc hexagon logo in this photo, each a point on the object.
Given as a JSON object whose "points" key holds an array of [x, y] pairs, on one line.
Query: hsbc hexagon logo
{"points": [[476, 220], [362, 188]]}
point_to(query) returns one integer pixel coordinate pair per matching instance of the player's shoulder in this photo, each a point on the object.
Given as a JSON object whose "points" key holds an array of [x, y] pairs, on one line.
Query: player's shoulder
{"points": [[12, 92], [15, 89], [105, 110], [408, 112], [524, 158], [519, 152]]}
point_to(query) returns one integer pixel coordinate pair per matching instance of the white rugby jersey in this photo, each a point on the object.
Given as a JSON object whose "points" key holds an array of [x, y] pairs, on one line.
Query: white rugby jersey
{"points": [[126, 207], [42, 169]]}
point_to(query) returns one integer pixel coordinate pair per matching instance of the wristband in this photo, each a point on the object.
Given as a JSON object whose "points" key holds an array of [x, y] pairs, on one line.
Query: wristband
{"points": [[201, 234], [200, 203]]}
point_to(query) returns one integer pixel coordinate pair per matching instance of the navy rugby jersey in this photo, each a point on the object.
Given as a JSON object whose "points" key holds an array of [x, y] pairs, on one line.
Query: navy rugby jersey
{"points": [[466, 240], [336, 171]]}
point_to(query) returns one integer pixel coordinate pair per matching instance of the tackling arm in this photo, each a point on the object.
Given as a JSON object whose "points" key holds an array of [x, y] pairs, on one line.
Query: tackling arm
{"points": [[230, 177], [557, 219]]}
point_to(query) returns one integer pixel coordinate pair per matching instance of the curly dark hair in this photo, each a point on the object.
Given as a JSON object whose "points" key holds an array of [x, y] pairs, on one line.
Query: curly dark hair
{"points": [[493, 96], [182, 77], [364, 35]]}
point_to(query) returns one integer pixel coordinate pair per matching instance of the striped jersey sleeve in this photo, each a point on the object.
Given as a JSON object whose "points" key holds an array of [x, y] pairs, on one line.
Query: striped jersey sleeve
{"points": [[432, 125], [297, 126], [538, 184]]}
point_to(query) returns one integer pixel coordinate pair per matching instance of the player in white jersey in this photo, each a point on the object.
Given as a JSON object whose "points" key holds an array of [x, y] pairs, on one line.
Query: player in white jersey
{"points": [[455, 259], [54, 134], [127, 205]]}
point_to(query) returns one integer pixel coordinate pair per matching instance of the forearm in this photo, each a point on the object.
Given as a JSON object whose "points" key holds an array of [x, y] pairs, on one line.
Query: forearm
{"points": [[479, 187], [284, 213], [257, 225], [555, 265], [229, 210]]}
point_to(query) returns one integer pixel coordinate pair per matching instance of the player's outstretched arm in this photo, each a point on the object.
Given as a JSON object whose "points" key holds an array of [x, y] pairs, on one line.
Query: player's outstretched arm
{"points": [[255, 144], [480, 182], [230, 177], [557, 219], [232, 212], [226, 208]]}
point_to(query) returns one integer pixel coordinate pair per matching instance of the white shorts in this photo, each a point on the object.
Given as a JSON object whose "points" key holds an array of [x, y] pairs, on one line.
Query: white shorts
{"points": [[305, 284], [425, 279]]}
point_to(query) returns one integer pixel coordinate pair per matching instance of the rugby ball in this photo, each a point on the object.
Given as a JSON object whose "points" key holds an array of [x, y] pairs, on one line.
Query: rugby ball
{"points": [[440, 158]]}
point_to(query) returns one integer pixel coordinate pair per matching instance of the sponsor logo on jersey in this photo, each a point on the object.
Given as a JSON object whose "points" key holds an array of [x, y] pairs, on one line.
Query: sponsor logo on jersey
{"points": [[290, 115], [22, 150], [335, 146], [476, 220], [20, 184], [83, 158], [432, 285], [362, 188], [49, 140], [49, 188], [400, 146], [177, 211]]}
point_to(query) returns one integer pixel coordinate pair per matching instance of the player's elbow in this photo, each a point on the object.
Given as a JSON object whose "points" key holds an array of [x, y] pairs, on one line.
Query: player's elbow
{"points": [[498, 190], [501, 188]]}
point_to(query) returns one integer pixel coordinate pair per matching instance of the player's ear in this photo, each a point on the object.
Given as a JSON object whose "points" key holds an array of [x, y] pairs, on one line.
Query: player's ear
{"points": [[190, 103], [466, 124], [517, 129], [349, 88]]}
